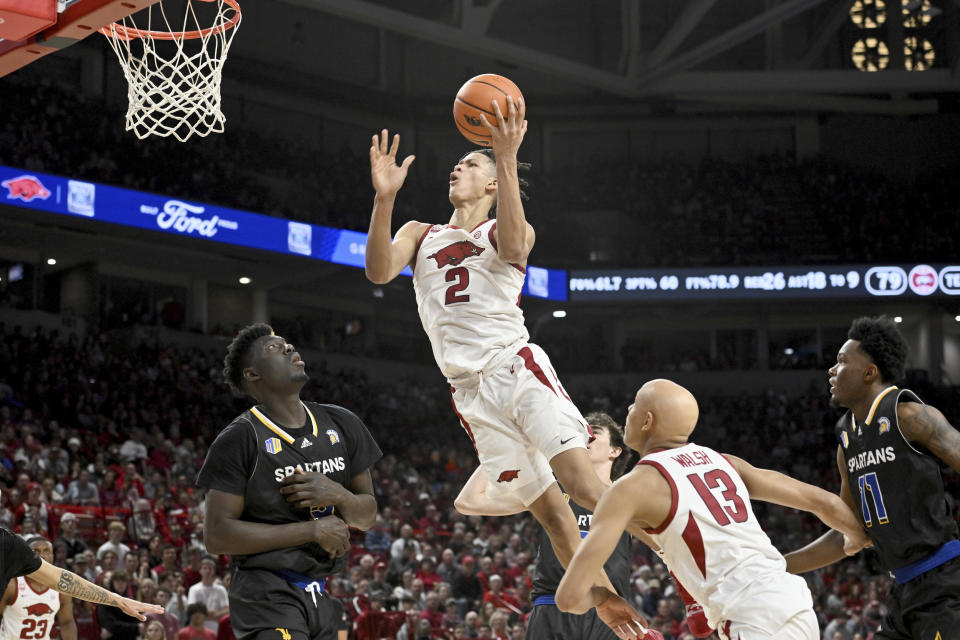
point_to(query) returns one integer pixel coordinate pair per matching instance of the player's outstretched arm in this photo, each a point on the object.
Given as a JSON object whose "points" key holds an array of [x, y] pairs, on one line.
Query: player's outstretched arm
{"points": [[356, 505], [515, 237], [831, 546], [69, 583], [617, 508], [772, 486], [474, 500], [925, 425], [225, 533], [385, 259]]}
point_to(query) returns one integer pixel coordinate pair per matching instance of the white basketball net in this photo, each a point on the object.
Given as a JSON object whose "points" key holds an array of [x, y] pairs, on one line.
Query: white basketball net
{"points": [[174, 72]]}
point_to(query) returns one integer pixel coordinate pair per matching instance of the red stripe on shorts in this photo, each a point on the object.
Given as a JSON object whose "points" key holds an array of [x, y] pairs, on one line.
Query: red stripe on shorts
{"points": [[559, 385], [534, 368], [466, 427]]}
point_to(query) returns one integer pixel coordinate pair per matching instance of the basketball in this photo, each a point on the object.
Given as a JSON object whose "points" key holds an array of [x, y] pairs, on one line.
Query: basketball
{"points": [[476, 96]]}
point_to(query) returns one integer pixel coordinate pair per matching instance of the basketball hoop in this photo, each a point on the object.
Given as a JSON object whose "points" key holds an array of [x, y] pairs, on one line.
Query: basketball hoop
{"points": [[174, 76]]}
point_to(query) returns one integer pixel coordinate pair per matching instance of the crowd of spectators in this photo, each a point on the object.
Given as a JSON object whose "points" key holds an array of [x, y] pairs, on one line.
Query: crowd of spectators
{"points": [[100, 443], [715, 212]]}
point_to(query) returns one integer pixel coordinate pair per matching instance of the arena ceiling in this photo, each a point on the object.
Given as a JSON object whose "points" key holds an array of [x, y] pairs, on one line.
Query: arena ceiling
{"points": [[690, 55]]}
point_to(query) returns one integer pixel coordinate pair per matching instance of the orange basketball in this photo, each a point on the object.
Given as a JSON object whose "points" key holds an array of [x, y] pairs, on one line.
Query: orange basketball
{"points": [[476, 96]]}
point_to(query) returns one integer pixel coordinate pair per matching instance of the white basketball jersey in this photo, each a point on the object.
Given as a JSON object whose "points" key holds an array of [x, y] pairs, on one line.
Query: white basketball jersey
{"points": [[715, 547], [468, 298], [31, 614]]}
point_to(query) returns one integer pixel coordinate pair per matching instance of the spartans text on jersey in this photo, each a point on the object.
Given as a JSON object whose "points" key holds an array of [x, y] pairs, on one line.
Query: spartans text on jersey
{"points": [[321, 466], [867, 458]]}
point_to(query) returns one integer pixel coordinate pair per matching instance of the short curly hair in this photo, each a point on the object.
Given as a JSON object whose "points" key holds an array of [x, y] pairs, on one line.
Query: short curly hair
{"points": [[238, 355], [601, 420], [880, 339]]}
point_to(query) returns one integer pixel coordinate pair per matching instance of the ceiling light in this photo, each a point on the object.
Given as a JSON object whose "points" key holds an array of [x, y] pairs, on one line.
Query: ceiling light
{"points": [[898, 319], [245, 280], [51, 261], [559, 313]]}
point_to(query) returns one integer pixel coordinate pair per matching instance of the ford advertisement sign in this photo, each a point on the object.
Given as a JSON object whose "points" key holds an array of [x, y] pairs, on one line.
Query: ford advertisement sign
{"points": [[104, 203]]}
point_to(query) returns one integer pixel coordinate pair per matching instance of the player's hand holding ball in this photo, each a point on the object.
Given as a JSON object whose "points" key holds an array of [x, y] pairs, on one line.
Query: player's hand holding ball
{"points": [[482, 107], [507, 134]]}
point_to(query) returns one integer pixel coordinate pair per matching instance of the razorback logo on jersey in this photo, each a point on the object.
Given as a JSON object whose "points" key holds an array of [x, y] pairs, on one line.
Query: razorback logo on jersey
{"points": [[509, 475], [39, 609], [456, 253]]}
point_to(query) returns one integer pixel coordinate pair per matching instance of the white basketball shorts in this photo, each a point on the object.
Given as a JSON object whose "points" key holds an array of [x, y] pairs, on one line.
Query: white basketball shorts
{"points": [[802, 626], [519, 417]]}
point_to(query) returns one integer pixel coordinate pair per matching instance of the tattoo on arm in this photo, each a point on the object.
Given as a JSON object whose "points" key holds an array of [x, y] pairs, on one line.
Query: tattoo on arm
{"points": [[73, 585], [928, 427]]}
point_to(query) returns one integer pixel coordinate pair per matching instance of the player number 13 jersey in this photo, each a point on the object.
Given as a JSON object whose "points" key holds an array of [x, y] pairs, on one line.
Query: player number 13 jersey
{"points": [[712, 542]]}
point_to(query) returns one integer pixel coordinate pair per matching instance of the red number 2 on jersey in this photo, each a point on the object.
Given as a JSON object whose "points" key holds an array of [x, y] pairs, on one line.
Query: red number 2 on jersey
{"points": [[33, 629], [462, 276], [711, 480]]}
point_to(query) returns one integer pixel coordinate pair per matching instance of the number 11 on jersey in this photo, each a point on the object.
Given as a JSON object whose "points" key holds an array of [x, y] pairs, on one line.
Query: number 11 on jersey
{"points": [[869, 484]]}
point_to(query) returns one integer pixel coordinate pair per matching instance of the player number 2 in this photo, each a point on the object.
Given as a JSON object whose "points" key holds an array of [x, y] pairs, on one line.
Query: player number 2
{"points": [[33, 629], [735, 508], [462, 278]]}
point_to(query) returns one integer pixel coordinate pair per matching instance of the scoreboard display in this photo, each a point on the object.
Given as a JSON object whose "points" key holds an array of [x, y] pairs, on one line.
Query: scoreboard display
{"points": [[773, 283]]}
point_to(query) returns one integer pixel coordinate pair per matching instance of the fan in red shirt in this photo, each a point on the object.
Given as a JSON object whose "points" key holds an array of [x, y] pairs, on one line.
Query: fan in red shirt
{"points": [[196, 629], [377, 623], [432, 612], [168, 560], [428, 574], [500, 598]]}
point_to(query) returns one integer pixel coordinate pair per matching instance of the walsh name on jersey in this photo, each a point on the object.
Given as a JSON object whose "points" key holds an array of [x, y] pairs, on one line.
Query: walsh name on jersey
{"points": [[868, 458], [321, 466]]}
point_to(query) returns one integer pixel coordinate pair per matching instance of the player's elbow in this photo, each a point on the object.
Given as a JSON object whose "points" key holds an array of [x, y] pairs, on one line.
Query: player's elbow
{"points": [[513, 254], [376, 276], [568, 602], [212, 539]]}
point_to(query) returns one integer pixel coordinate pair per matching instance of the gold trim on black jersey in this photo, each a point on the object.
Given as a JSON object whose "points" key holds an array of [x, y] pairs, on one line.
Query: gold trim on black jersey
{"points": [[876, 403], [277, 429]]}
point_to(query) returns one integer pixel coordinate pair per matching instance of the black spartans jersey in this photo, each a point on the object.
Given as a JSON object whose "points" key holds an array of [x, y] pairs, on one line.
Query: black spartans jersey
{"points": [[897, 483], [251, 457], [548, 571]]}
